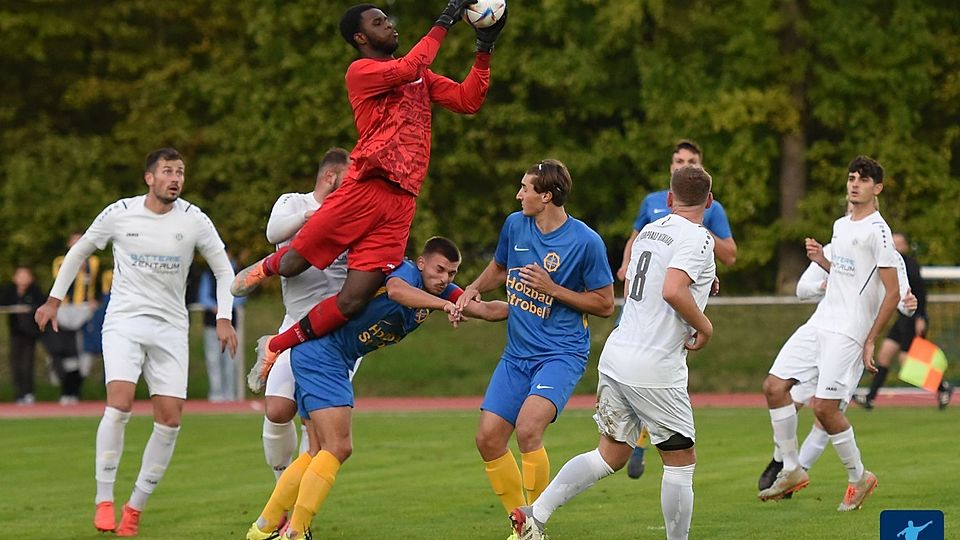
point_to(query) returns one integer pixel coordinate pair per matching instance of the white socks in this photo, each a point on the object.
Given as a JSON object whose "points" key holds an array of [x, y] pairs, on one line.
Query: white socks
{"points": [[156, 457], [279, 444], [784, 421], [676, 500], [813, 447], [109, 449], [574, 477], [846, 446], [304, 439]]}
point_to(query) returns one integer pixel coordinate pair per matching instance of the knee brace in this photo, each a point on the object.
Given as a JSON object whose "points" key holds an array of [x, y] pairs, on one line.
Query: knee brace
{"points": [[676, 442]]}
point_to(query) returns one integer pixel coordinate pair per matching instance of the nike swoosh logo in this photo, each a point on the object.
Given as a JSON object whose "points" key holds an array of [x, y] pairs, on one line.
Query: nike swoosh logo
{"points": [[543, 387], [518, 248], [659, 210]]}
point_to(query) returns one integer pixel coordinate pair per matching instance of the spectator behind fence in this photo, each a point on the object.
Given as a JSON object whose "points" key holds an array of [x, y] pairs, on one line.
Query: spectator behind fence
{"points": [[78, 307], [221, 367], [22, 290], [91, 334]]}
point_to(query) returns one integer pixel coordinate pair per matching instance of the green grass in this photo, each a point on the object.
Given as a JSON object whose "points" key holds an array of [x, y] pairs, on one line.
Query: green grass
{"points": [[417, 476]]}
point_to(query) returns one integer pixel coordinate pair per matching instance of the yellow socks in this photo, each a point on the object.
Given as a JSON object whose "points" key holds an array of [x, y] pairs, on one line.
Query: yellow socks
{"points": [[536, 473], [644, 437], [284, 494], [314, 487], [504, 477]]}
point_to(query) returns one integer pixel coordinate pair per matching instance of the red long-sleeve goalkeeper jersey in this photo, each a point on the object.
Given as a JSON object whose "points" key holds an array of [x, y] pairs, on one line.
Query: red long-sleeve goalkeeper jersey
{"points": [[391, 102]]}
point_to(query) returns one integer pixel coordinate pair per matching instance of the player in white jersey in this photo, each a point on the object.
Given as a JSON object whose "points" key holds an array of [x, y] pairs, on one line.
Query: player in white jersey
{"points": [[643, 370], [844, 330], [811, 287], [300, 293], [145, 330]]}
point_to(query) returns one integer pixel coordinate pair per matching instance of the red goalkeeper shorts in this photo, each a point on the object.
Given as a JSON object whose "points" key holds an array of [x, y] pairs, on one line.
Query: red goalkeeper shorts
{"points": [[370, 219]]}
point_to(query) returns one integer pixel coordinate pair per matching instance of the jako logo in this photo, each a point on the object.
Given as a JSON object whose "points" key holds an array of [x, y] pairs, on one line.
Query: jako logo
{"points": [[911, 525]]}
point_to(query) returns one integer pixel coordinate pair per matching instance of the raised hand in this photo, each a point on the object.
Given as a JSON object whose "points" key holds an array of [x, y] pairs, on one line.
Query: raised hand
{"points": [[470, 293], [487, 37], [454, 314], [47, 313], [453, 12]]}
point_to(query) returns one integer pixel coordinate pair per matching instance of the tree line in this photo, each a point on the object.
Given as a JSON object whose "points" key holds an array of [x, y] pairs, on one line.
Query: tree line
{"points": [[779, 94]]}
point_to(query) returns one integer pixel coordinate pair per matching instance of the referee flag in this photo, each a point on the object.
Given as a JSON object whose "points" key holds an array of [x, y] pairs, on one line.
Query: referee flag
{"points": [[924, 365]]}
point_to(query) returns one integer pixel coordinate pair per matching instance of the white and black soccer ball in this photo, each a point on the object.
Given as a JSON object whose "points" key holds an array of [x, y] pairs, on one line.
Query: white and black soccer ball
{"points": [[484, 13]]}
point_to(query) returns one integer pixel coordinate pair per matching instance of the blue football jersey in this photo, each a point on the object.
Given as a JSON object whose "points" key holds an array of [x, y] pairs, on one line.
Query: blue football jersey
{"points": [[382, 322], [575, 257], [654, 207]]}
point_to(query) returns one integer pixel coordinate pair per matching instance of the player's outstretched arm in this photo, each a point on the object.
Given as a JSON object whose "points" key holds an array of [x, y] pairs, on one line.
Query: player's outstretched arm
{"points": [[676, 292], [368, 78], [452, 13], [409, 296], [487, 37], [467, 97], [492, 311], [493, 276]]}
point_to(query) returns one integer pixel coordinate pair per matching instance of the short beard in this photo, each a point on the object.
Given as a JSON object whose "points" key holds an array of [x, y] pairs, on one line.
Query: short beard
{"points": [[165, 199], [385, 47]]}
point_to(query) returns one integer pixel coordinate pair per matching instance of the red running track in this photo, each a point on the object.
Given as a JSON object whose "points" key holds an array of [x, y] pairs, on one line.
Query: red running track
{"points": [[399, 404]]}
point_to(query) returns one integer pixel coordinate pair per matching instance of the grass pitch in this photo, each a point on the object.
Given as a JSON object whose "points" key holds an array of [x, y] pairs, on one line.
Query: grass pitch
{"points": [[418, 476]]}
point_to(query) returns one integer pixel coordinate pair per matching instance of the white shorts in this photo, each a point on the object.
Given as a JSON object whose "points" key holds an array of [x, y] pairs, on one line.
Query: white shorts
{"points": [[622, 410], [803, 392], [280, 381], [148, 345], [841, 366], [829, 363], [799, 356]]}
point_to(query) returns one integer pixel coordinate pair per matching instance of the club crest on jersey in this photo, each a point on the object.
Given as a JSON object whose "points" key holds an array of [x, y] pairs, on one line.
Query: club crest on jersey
{"points": [[551, 262], [421, 315], [178, 236]]}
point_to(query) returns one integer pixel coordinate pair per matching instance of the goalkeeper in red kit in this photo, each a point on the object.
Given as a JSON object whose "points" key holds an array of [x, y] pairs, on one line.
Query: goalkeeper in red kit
{"points": [[370, 215]]}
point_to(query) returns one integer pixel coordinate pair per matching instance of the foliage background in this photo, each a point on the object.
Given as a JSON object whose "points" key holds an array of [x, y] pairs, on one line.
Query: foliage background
{"points": [[780, 94]]}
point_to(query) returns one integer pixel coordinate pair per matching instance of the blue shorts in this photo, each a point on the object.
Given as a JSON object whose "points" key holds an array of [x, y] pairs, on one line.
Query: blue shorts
{"points": [[514, 380], [321, 375]]}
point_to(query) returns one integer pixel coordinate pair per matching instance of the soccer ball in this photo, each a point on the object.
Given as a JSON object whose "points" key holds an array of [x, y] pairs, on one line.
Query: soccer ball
{"points": [[484, 13]]}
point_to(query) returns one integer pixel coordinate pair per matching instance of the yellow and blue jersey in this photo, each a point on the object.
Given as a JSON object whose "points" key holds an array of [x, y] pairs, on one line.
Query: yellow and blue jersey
{"points": [[575, 257], [382, 322]]}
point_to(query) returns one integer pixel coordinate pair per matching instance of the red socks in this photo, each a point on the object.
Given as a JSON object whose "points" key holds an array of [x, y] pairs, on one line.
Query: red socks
{"points": [[322, 319], [271, 264]]}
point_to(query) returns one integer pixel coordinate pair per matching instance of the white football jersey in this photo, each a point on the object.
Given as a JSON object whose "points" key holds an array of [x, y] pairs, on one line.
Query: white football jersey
{"points": [[152, 254], [647, 348], [809, 286], [302, 292], [858, 249]]}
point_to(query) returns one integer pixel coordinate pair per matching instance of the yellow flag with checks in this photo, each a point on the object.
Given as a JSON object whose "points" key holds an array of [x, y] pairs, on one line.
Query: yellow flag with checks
{"points": [[924, 365]]}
